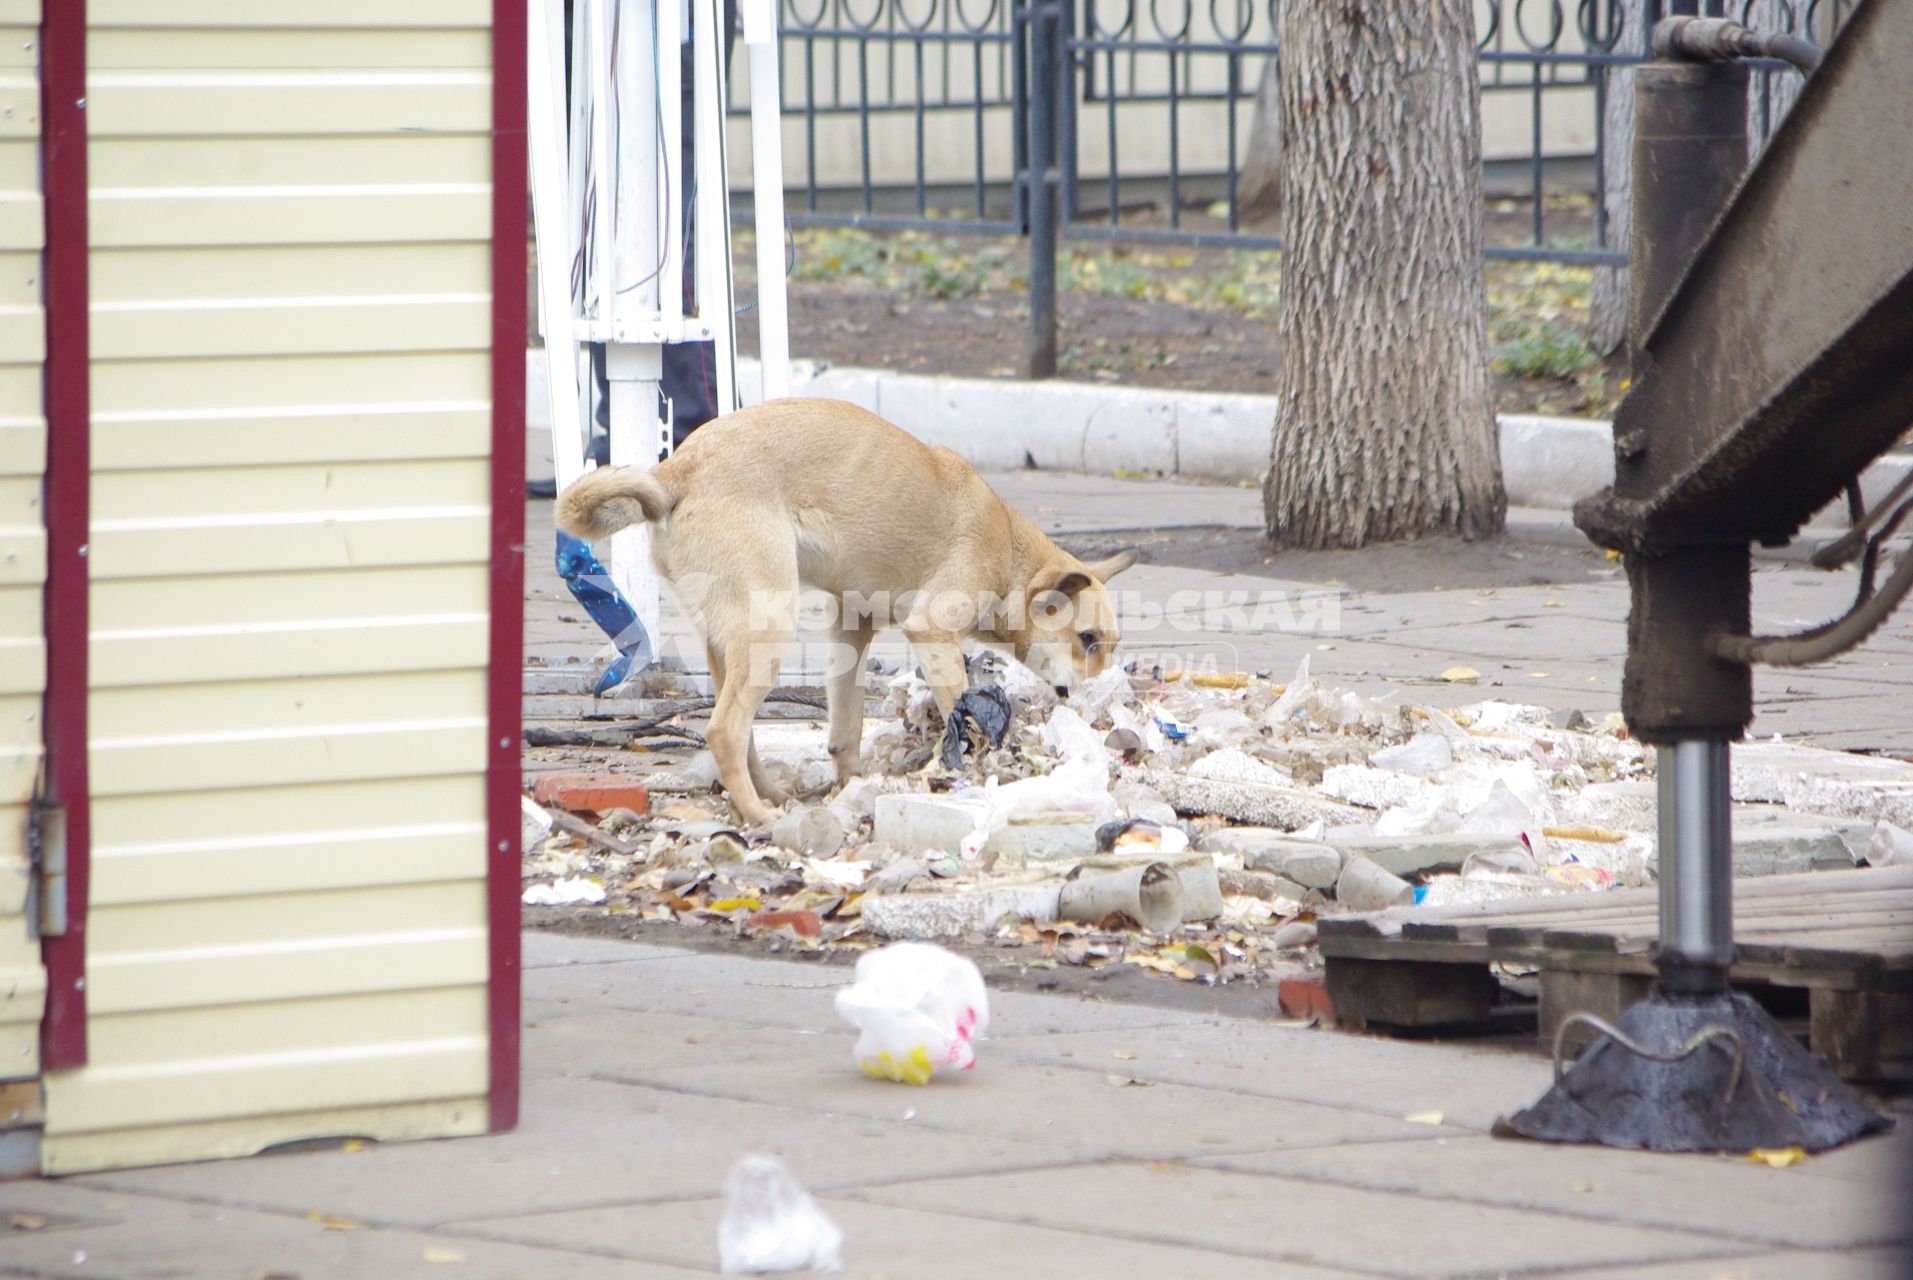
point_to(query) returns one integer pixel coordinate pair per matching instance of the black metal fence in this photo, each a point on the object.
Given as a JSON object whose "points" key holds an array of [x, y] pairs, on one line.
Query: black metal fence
{"points": [[922, 113]]}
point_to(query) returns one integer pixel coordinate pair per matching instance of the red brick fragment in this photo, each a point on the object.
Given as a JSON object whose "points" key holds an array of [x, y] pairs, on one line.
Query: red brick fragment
{"points": [[1305, 998], [805, 924], [592, 792]]}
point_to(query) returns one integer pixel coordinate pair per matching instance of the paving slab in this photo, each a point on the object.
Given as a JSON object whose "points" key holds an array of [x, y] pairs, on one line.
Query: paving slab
{"points": [[884, 1242], [1730, 1197], [1869, 1264], [583, 1142], [138, 1237], [1110, 1112], [1287, 1220], [799, 995], [1469, 1085]]}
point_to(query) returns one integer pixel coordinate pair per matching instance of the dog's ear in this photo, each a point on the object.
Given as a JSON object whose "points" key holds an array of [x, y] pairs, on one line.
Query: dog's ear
{"points": [[1056, 578], [1071, 581]]}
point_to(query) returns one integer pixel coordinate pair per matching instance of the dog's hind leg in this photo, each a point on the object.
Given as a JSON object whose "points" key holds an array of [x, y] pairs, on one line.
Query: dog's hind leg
{"points": [[767, 788], [844, 690], [750, 628]]}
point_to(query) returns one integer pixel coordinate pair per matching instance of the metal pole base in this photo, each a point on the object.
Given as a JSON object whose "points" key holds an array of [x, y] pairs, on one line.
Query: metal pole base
{"points": [[1706, 1073]]}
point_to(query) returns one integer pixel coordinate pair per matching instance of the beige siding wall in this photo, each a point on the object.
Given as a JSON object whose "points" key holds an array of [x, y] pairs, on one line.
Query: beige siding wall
{"points": [[22, 532], [291, 296]]}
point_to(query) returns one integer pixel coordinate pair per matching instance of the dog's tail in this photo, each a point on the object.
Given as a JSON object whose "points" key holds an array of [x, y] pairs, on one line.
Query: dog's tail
{"points": [[604, 501]]}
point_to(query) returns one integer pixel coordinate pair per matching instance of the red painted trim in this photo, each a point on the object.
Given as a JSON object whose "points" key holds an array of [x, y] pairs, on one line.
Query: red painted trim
{"points": [[504, 784], [68, 414]]}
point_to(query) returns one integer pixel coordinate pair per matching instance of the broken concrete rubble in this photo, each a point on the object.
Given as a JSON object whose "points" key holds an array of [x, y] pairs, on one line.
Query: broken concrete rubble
{"points": [[1298, 799]]}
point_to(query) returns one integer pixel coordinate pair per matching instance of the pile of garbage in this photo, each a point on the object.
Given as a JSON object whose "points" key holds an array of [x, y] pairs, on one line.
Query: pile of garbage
{"points": [[1194, 825]]}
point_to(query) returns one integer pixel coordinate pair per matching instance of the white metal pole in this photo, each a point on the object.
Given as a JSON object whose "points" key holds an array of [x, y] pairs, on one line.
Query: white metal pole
{"points": [[668, 22], [716, 298], [767, 195], [641, 275], [600, 287], [552, 223]]}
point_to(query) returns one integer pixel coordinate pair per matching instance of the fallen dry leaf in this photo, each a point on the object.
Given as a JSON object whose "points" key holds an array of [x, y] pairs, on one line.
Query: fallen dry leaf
{"points": [[1455, 675], [26, 1221], [1123, 1055], [1423, 1117], [333, 1221], [1777, 1157]]}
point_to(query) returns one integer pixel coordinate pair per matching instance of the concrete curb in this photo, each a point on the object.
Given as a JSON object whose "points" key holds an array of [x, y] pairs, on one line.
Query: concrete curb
{"points": [[1004, 425]]}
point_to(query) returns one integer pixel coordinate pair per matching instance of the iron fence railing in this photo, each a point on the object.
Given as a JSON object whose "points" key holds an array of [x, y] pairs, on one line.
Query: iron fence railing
{"points": [[918, 113]]}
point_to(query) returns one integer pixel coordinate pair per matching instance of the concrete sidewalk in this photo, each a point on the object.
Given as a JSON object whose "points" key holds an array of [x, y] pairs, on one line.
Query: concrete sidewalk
{"points": [[1092, 1140]]}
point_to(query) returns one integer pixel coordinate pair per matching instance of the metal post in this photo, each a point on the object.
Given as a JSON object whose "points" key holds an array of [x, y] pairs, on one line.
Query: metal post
{"points": [[767, 195], [1696, 867], [1043, 20], [1689, 153]]}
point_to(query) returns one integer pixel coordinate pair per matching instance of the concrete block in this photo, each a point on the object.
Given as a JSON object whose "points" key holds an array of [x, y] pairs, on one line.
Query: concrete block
{"points": [[1313, 866], [1244, 840], [913, 821], [1420, 855], [1223, 437], [860, 387], [1835, 783], [1553, 462], [1129, 430], [1266, 806], [1372, 788], [1775, 849], [1266, 885], [1025, 842], [968, 418], [960, 911]]}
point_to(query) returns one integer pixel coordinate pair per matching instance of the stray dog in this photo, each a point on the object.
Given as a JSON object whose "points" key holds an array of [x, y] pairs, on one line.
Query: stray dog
{"points": [[823, 494]]}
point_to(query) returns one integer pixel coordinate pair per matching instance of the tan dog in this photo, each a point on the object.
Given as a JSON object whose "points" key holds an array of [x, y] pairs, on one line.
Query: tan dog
{"points": [[824, 494]]}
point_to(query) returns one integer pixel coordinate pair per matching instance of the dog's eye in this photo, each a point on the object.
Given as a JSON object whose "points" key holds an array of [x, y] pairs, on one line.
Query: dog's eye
{"points": [[1089, 640]]}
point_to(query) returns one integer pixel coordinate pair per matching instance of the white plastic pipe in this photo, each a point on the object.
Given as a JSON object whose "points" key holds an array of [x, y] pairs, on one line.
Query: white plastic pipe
{"points": [[767, 188]]}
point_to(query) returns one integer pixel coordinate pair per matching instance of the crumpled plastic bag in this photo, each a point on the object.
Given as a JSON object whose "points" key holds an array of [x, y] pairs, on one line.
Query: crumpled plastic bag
{"points": [[919, 1010], [770, 1223]]}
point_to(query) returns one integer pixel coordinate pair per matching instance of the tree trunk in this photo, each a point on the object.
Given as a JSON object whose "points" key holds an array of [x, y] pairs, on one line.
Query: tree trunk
{"points": [[1607, 297], [1387, 426], [1258, 192]]}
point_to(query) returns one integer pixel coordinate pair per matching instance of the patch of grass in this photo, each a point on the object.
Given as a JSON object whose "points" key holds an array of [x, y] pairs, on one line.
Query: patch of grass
{"points": [[1543, 349]]}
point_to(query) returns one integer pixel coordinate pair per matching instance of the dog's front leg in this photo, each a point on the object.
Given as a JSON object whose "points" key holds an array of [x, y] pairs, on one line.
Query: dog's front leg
{"points": [[940, 653], [844, 691]]}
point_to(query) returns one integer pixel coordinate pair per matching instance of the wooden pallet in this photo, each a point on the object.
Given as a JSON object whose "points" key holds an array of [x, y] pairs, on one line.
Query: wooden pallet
{"points": [[1843, 938]]}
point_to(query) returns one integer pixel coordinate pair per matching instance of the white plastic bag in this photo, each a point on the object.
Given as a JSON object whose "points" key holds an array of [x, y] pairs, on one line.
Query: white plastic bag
{"points": [[770, 1223], [919, 1009]]}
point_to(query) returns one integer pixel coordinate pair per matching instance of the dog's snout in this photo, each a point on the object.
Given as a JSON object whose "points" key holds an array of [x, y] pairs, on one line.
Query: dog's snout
{"points": [[1062, 690]]}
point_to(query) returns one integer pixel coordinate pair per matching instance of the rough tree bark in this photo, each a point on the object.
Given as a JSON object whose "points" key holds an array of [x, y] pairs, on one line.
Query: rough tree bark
{"points": [[1607, 296], [1387, 428], [1258, 191]]}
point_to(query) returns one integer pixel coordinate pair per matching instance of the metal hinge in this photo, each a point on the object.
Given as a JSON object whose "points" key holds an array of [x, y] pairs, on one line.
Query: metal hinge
{"points": [[46, 852]]}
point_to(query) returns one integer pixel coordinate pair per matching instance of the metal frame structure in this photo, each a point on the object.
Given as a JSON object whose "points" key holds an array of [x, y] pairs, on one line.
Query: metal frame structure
{"points": [[1771, 335], [608, 175]]}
